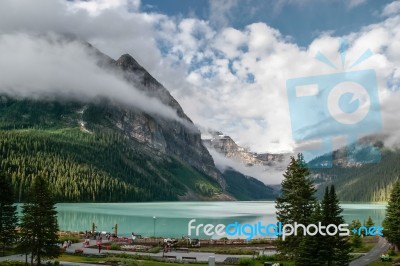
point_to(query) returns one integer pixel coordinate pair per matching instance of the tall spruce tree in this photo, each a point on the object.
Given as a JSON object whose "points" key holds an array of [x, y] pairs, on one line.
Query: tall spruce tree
{"points": [[39, 223], [295, 204], [336, 246], [312, 250], [391, 224], [8, 214], [325, 249]]}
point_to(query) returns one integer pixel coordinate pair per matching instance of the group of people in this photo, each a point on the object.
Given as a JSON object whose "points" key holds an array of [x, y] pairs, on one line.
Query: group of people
{"points": [[67, 244]]}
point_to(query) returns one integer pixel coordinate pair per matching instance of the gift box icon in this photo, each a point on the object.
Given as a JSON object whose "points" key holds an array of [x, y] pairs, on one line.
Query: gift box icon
{"points": [[338, 104]]}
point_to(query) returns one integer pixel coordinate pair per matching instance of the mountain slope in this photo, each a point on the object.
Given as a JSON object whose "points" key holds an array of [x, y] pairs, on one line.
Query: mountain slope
{"points": [[247, 188], [366, 182], [104, 150]]}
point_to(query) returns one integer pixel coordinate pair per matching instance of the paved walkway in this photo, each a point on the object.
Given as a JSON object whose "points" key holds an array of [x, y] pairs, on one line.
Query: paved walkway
{"points": [[374, 254], [200, 256]]}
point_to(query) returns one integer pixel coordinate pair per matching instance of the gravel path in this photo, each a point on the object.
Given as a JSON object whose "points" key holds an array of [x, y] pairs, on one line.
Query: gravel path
{"points": [[374, 254]]}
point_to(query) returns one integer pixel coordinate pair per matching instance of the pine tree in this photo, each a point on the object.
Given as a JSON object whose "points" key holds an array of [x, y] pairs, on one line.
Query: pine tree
{"points": [[391, 224], [369, 222], [8, 214], [39, 223], [325, 249], [337, 247], [312, 248], [355, 237], [295, 204]]}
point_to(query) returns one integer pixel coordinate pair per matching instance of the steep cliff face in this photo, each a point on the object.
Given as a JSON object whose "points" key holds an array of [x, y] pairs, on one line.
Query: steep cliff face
{"points": [[226, 146], [182, 140]]}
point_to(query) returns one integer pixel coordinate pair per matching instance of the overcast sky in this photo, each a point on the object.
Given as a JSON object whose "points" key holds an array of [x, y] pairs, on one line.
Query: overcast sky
{"points": [[226, 62]]}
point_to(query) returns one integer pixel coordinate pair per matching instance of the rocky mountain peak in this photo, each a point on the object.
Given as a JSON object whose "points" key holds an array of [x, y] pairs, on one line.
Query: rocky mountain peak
{"points": [[127, 62], [226, 146]]}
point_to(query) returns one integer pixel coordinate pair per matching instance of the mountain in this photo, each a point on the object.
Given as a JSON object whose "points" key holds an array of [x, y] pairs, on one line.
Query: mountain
{"points": [[226, 146], [240, 165], [247, 187], [107, 151], [359, 180]]}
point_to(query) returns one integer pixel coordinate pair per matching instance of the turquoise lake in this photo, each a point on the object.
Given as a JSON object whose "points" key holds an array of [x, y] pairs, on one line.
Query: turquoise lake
{"points": [[171, 218]]}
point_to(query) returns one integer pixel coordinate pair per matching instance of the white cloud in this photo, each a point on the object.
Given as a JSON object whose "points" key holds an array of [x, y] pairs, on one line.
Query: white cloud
{"points": [[355, 3], [51, 67], [220, 11], [269, 175], [95, 7], [391, 9], [226, 79]]}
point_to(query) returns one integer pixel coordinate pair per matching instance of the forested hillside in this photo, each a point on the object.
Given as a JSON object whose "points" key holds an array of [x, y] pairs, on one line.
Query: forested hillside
{"points": [[88, 161], [247, 188], [94, 167], [369, 182]]}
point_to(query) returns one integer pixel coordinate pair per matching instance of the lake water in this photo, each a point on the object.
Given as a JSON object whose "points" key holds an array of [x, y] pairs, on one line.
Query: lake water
{"points": [[171, 218]]}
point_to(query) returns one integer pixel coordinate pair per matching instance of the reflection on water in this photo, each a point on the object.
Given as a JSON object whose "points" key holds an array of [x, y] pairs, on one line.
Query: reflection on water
{"points": [[362, 211], [171, 218]]}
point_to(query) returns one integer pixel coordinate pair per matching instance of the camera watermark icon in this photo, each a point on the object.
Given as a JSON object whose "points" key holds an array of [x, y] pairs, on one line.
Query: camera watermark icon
{"points": [[339, 104]]}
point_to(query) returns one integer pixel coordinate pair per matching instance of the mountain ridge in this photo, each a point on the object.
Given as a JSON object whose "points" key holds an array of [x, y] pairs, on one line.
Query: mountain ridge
{"points": [[154, 153], [359, 180]]}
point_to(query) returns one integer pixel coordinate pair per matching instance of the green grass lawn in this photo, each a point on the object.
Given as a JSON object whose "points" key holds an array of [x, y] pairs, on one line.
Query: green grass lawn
{"points": [[158, 263], [380, 263], [7, 253], [225, 250], [83, 259]]}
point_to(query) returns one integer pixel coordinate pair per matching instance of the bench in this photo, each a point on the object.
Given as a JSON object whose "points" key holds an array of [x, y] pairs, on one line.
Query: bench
{"points": [[182, 249], [189, 258], [170, 257]]}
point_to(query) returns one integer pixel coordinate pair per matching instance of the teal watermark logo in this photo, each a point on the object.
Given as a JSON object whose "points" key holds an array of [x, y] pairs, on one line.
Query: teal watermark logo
{"points": [[344, 103], [279, 229]]}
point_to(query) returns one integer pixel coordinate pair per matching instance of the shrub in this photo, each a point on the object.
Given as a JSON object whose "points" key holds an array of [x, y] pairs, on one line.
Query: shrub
{"points": [[130, 263], [263, 258], [154, 250], [12, 263], [123, 262], [246, 261], [392, 252], [115, 246]]}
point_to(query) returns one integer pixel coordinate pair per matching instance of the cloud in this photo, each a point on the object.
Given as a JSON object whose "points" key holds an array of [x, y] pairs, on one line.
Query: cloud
{"points": [[226, 79], [95, 7], [391, 9], [220, 12], [53, 67], [269, 175], [242, 88], [355, 3]]}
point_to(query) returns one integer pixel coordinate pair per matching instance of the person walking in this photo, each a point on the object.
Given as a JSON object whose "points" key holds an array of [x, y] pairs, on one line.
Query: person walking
{"points": [[99, 249]]}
